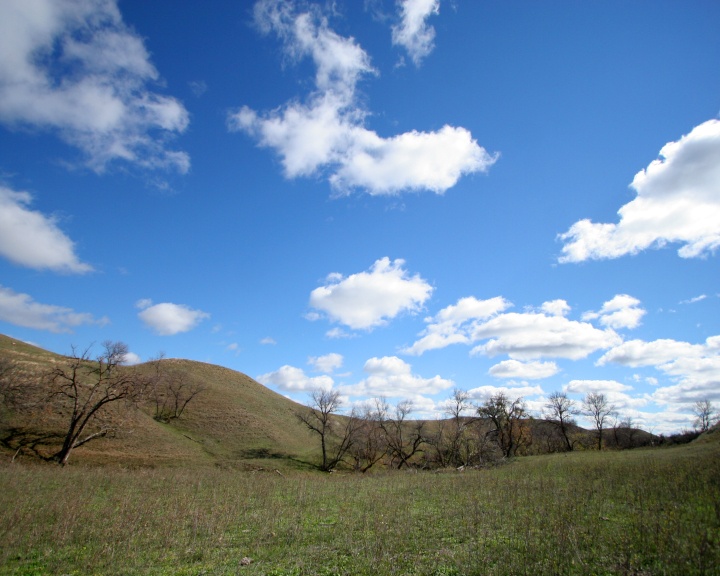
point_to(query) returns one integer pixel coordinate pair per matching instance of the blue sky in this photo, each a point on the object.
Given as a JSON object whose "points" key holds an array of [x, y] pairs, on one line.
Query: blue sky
{"points": [[392, 198]]}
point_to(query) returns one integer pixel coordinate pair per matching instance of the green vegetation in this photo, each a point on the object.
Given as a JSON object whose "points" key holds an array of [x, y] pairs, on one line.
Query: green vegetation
{"points": [[631, 512]]}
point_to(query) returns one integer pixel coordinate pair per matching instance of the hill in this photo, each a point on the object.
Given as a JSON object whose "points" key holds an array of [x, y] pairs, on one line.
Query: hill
{"points": [[234, 421]]}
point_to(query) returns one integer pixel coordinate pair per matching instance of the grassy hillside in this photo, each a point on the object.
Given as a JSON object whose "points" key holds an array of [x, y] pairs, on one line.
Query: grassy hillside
{"points": [[234, 421]]}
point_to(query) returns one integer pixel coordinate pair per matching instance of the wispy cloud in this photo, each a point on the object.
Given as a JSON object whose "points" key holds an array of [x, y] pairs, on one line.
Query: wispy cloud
{"points": [[327, 130], [75, 68], [413, 32], [677, 202], [694, 300], [32, 239], [21, 310]]}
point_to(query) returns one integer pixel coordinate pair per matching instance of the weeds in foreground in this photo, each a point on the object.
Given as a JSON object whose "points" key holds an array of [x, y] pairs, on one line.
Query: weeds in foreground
{"points": [[636, 512]]}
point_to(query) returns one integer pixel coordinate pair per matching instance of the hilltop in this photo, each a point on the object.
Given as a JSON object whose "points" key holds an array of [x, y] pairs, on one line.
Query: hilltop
{"points": [[234, 421]]}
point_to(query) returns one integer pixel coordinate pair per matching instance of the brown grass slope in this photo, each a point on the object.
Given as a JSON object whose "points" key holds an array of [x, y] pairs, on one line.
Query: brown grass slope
{"points": [[234, 421]]}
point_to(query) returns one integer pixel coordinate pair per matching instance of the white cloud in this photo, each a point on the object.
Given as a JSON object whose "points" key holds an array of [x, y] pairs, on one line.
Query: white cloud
{"points": [[32, 239], [523, 336], [392, 377], [695, 368], [327, 363], [677, 201], [131, 359], [615, 392], [294, 379], [167, 319], [555, 308], [454, 324], [636, 353], [327, 131], [268, 341], [413, 33], [600, 386], [524, 370], [622, 311], [337, 333], [521, 390], [369, 299], [74, 67], [530, 336], [22, 310], [694, 300]]}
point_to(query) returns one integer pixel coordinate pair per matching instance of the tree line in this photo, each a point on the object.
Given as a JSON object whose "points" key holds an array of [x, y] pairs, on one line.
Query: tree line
{"points": [[470, 434]]}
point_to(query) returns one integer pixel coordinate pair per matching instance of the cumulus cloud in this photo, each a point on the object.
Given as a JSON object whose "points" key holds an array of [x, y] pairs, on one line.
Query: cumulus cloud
{"points": [[524, 370], [530, 336], [369, 299], [327, 363], [677, 202], [413, 32], [523, 336], [637, 353], [292, 379], [392, 377], [556, 308], [622, 311], [327, 132], [21, 310], [167, 319], [454, 324], [73, 67], [694, 369], [32, 239], [131, 359]]}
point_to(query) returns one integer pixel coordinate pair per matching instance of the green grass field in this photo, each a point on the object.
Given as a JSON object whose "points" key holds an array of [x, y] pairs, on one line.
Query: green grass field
{"points": [[635, 512]]}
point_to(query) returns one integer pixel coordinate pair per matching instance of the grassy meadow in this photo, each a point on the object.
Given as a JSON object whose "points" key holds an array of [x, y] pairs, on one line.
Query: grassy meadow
{"points": [[640, 512]]}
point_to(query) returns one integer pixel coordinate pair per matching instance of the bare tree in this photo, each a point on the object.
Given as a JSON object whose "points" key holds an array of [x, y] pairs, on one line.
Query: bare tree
{"points": [[459, 444], [705, 415], [560, 410], [336, 436], [625, 431], [85, 387], [508, 419], [598, 407], [172, 391], [404, 439], [370, 446]]}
